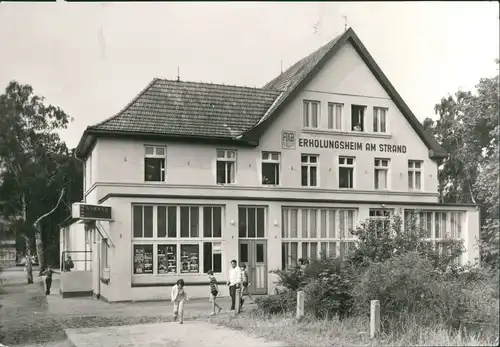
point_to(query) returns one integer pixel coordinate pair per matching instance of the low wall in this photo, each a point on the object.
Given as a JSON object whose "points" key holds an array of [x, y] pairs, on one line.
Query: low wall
{"points": [[76, 283]]}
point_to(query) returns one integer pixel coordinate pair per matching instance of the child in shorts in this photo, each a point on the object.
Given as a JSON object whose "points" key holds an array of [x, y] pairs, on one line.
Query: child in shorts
{"points": [[179, 296], [214, 291], [244, 282]]}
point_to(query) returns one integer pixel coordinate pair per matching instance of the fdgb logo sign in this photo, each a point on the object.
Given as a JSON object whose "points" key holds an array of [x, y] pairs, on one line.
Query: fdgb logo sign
{"points": [[288, 139]]}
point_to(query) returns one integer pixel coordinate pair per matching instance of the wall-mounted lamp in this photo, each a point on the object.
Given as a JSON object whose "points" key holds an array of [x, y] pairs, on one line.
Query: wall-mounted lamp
{"points": [[383, 205], [232, 222], [275, 223]]}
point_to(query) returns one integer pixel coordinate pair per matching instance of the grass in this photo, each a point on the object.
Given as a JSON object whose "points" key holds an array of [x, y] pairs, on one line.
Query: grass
{"points": [[349, 332]]}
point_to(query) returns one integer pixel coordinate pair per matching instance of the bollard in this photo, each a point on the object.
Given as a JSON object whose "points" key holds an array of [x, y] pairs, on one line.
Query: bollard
{"points": [[300, 304], [374, 318], [237, 301]]}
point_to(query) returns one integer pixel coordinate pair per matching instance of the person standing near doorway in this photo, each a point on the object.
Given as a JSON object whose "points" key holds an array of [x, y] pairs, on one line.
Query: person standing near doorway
{"points": [[234, 283]]}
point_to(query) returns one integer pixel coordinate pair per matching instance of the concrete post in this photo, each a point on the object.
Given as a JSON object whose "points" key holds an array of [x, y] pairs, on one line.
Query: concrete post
{"points": [[237, 296], [374, 318], [300, 304]]}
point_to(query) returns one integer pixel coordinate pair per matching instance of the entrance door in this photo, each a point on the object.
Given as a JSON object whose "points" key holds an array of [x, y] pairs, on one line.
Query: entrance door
{"points": [[253, 253]]}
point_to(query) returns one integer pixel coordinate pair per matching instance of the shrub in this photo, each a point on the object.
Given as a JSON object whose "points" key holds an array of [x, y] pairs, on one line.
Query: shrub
{"points": [[407, 284], [281, 302], [382, 239], [291, 278], [329, 285]]}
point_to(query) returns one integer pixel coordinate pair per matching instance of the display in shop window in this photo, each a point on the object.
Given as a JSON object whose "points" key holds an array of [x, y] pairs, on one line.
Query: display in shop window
{"points": [[190, 255], [143, 259], [167, 259]]}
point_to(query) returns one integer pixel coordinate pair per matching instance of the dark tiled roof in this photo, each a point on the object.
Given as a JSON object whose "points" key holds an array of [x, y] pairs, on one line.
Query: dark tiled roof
{"points": [[201, 110], [192, 109]]}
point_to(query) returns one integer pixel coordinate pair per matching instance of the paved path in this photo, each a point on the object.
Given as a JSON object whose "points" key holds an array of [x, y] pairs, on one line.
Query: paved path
{"points": [[189, 334]]}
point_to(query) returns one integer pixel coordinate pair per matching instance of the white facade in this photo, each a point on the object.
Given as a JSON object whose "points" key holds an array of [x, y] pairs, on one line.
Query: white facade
{"points": [[189, 217]]}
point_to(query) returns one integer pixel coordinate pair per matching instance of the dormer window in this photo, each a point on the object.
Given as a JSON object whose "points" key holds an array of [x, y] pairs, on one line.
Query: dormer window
{"points": [[357, 118]]}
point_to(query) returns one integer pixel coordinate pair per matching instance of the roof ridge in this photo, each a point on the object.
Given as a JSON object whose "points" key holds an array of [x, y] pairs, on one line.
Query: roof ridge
{"points": [[144, 90], [216, 84]]}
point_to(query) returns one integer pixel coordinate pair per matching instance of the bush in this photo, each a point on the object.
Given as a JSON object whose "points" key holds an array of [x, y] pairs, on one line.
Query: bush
{"points": [[290, 279], [329, 285], [408, 284], [281, 302], [382, 239]]}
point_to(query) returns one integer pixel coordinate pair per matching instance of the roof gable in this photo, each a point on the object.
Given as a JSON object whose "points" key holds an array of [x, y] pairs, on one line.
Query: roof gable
{"points": [[298, 75]]}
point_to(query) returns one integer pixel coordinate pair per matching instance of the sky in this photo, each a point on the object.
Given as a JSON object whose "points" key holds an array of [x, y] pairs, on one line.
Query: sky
{"points": [[91, 59]]}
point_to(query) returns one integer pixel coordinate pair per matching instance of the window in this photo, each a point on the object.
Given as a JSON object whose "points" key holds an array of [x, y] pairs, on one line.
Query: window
{"points": [[335, 116], [346, 172], [309, 170], [226, 166], [212, 257], [382, 218], [320, 232], [143, 259], [357, 118], [271, 168], [311, 114], [154, 164], [212, 223], [437, 226], [190, 221], [381, 173], [166, 221], [143, 221], [379, 120], [104, 256], [415, 174], [251, 221], [173, 240]]}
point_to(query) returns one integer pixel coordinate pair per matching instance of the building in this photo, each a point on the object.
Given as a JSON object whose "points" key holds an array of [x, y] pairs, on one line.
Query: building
{"points": [[199, 174], [7, 245]]}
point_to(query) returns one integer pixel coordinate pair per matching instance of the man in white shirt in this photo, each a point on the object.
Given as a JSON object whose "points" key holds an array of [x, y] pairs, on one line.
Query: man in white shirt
{"points": [[234, 283]]}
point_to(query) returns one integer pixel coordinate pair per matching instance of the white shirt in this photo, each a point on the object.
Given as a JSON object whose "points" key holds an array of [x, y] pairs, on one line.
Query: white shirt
{"points": [[234, 276]]}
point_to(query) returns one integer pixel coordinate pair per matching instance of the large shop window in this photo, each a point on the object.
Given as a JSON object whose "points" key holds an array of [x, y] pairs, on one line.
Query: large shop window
{"points": [[251, 222], [437, 226], [311, 232], [176, 240]]}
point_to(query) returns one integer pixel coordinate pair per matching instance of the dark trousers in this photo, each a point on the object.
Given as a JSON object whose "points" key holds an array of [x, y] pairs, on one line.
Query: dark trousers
{"points": [[48, 283], [232, 293]]}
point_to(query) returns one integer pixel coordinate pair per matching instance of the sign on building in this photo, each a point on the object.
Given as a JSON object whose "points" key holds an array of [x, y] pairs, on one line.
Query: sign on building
{"points": [[91, 212], [288, 139]]}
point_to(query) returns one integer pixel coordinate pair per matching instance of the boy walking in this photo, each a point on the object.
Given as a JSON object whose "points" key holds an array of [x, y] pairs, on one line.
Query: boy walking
{"points": [[244, 282], [48, 279], [179, 296], [214, 291]]}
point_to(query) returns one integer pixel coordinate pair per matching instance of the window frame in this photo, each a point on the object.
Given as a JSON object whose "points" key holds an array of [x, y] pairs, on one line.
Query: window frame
{"points": [[307, 115], [178, 241], [163, 170], [333, 116], [414, 171], [277, 164], [333, 229], [457, 224], [377, 168], [226, 160], [308, 164], [378, 112], [256, 224], [363, 117], [345, 165]]}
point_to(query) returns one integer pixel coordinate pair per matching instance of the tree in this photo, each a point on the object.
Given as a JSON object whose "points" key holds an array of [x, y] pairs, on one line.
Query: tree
{"points": [[36, 163], [467, 128]]}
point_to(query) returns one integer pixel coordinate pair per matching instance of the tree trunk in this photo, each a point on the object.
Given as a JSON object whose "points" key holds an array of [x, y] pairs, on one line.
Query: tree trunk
{"points": [[40, 251], [38, 234], [29, 267]]}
